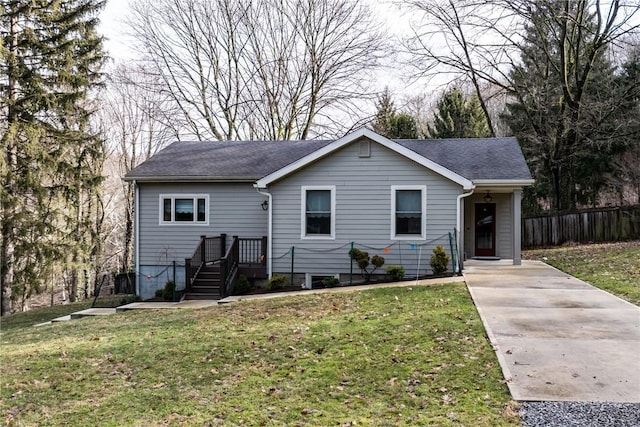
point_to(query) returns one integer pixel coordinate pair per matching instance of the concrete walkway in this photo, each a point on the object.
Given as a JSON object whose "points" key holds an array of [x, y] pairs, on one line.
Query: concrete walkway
{"points": [[354, 288], [194, 304], [557, 338]]}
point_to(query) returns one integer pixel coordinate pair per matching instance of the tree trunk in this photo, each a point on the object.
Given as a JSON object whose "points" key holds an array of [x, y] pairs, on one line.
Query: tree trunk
{"points": [[7, 267], [6, 205]]}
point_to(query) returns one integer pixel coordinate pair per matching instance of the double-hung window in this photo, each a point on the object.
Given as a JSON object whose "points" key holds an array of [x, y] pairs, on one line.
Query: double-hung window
{"points": [[318, 212], [184, 209], [408, 212]]}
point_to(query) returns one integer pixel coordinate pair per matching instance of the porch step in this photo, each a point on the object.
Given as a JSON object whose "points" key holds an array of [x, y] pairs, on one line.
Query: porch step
{"points": [[207, 284], [201, 296]]}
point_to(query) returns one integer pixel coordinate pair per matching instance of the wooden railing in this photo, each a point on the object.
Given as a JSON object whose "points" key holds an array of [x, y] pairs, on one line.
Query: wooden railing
{"points": [[253, 250], [250, 252], [209, 250], [229, 268]]}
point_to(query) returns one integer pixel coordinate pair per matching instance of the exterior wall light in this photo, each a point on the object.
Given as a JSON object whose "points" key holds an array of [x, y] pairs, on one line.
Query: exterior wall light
{"points": [[488, 198]]}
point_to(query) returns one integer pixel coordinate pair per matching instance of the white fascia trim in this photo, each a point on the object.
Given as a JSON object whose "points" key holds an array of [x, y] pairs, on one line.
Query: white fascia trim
{"points": [[353, 136], [303, 213], [136, 239], [503, 182]]}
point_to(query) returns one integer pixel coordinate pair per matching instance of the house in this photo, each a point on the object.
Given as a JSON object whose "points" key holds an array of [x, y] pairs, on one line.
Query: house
{"points": [[208, 211]]}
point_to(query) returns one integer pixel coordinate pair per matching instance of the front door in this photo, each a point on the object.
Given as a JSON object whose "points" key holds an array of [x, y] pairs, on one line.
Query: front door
{"points": [[485, 229]]}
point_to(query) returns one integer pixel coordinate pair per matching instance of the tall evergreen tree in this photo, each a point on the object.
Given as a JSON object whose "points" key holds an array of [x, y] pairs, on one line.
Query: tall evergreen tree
{"points": [[385, 110], [51, 58], [569, 108], [458, 117], [403, 126], [393, 124]]}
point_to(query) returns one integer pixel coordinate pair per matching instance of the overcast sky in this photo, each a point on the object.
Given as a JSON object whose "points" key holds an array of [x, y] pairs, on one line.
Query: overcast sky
{"points": [[119, 46]]}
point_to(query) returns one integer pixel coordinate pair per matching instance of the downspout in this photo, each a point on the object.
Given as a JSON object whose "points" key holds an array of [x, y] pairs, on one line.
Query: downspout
{"points": [[459, 224], [136, 243], [269, 232]]}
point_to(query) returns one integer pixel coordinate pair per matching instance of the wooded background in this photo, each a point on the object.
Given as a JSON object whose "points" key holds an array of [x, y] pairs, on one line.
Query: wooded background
{"points": [[562, 76]]}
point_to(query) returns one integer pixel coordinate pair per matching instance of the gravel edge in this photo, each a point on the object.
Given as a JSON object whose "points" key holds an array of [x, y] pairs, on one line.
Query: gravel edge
{"points": [[579, 414]]}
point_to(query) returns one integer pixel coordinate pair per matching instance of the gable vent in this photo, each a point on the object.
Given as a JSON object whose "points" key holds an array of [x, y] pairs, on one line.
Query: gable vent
{"points": [[365, 148]]}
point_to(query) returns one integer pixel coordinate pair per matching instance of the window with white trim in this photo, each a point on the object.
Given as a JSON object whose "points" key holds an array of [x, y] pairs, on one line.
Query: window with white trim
{"points": [[318, 212], [408, 212], [184, 209]]}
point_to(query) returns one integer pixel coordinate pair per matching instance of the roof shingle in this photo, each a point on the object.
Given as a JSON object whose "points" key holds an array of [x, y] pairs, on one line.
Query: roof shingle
{"points": [[474, 159]]}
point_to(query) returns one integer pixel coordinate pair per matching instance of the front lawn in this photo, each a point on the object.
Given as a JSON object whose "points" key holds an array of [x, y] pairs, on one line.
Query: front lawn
{"points": [[614, 267], [389, 356]]}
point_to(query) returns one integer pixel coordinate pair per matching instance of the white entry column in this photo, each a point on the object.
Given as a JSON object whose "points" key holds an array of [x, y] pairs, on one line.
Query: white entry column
{"points": [[516, 200]]}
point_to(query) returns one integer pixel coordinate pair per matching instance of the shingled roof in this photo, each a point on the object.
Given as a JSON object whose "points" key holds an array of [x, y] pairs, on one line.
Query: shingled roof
{"points": [[473, 159]]}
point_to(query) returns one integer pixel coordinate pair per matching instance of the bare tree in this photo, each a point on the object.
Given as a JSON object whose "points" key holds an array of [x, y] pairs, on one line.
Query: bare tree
{"points": [[266, 69], [504, 43], [135, 123]]}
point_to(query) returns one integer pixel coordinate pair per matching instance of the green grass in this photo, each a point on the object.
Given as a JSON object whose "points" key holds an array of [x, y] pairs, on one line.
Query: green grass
{"points": [[40, 315], [614, 267], [45, 314], [389, 356]]}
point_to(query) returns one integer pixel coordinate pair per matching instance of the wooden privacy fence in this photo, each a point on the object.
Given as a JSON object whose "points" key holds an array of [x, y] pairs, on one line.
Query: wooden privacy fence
{"points": [[603, 225]]}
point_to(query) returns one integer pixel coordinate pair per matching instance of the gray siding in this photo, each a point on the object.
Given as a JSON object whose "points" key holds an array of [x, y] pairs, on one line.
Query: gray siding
{"points": [[504, 221], [363, 212], [234, 209]]}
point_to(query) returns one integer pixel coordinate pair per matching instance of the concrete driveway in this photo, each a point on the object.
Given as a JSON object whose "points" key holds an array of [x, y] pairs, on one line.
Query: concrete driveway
{"points": [[557, 338]]}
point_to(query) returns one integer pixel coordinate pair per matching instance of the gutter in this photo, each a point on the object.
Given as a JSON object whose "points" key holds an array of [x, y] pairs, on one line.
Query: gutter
{"points": [[503, 182], [270, 230], [459, 224], [136, 250], [186, 178]]}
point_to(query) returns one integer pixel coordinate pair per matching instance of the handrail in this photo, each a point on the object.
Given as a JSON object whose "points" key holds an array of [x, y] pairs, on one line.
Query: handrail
{"points": [[229, 267], [209, 250]]}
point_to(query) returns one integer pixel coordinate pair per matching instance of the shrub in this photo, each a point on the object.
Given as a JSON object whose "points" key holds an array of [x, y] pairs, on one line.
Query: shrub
{"points": [[362, 259], [396, 272], [243, 286], [439, 260], [159, 293], [330, 282], [168, 291], [277, 282]]}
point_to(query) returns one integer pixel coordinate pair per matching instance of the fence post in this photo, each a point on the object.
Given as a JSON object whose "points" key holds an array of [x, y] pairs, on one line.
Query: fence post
{"points": [[187, 274], [174, 280], [351, 265], [455, 242], [293, 248], [453, 255]]}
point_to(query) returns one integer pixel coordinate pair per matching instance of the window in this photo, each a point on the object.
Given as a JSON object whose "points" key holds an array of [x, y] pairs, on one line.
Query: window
{"points": [[184, 209], [318, 212], [408, 216]]}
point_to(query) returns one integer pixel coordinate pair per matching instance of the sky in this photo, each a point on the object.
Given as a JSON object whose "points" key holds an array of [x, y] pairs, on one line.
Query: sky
{"points": [[397, 22], [119, 46]]}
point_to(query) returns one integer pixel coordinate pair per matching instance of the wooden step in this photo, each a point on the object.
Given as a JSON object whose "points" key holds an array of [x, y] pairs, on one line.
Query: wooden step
{"points": [[206, 286], [201, 296]]}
